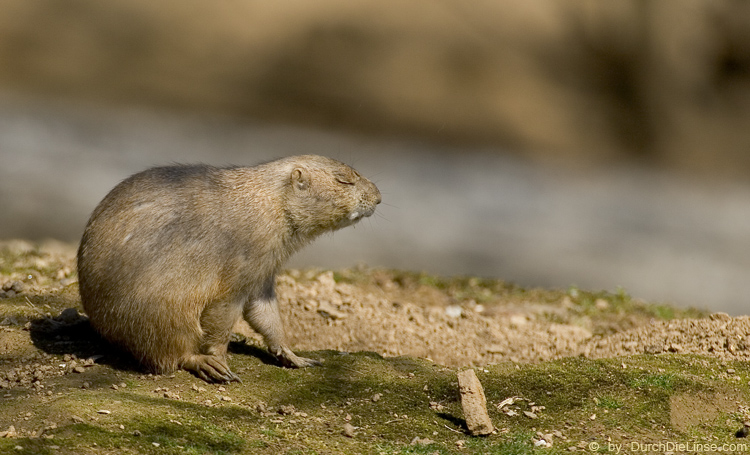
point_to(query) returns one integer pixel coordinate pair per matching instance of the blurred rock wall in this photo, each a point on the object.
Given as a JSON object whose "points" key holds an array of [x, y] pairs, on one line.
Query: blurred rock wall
{"points": [[666, 82]]}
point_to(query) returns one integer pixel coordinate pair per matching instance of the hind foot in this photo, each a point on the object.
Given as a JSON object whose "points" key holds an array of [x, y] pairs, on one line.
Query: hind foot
{"points": [[210, 368], [290, 360]]}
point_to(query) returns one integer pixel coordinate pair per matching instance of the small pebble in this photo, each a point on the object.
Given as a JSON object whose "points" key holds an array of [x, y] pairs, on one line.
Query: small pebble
{"points": [[348, 430], [421, 441], [453, 311]]}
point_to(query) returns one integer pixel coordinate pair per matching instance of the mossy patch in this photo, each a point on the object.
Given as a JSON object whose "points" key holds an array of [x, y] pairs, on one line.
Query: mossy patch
{"points": [[65, 391], [389, 401]]}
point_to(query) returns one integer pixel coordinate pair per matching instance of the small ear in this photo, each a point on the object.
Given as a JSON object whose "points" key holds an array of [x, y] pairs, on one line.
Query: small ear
{"points": [[300, 179]]}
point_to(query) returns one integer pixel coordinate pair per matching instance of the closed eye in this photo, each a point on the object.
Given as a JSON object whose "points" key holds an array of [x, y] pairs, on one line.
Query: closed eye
{"points": [[344, 182]]}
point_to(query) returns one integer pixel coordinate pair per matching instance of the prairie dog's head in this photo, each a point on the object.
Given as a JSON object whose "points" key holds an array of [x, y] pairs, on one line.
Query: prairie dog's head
{"points": [[325, 195]]}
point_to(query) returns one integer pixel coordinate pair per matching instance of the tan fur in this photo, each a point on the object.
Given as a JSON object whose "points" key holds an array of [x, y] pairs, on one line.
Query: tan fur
{"points": [[174, 256]]}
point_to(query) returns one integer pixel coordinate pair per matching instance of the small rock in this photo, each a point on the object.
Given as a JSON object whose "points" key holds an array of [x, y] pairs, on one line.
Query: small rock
{"points": [[76, 419], [79, 369], [10, 433], [417, 441], [226, 398], [530, 414], [375, 398], [103, 411], [474, 403], [720, 317], [741, 433], [435, 406], [69, 316], [348, 430], [601, 304], [453, 311], [328, 311], [730, 371], [460, 444], [155, 444], [286, 409], [137, 433]]}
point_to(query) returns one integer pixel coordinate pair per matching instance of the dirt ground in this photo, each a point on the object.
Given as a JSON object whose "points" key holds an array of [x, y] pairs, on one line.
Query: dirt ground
{"points": [[49, 354], [454, 322]]}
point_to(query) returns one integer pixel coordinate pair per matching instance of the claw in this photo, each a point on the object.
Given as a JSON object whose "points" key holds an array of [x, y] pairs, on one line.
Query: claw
{"points": [[210, 368]]}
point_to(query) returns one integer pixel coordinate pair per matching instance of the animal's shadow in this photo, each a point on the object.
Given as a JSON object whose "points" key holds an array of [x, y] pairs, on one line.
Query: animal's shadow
{"points": [[76, 337], [72, 334]]}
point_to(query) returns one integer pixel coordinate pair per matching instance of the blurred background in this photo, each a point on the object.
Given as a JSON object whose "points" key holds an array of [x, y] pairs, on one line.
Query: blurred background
{"points": [[545, 142]]}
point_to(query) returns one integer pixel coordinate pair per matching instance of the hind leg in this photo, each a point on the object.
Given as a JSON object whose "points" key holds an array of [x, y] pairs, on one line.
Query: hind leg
{"points": [[263, 316], [210, 363]]}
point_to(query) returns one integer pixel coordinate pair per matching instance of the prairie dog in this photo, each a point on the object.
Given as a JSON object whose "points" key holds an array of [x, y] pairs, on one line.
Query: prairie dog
{"points": [[173, 256]]}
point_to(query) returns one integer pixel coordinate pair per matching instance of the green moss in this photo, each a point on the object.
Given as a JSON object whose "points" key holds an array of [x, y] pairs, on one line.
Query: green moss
{"points": [[609, 402], [665, 381], [635, 399]]}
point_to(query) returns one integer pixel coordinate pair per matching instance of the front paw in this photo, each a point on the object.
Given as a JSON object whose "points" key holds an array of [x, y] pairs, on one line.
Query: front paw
{"points": [[289, 359]]}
